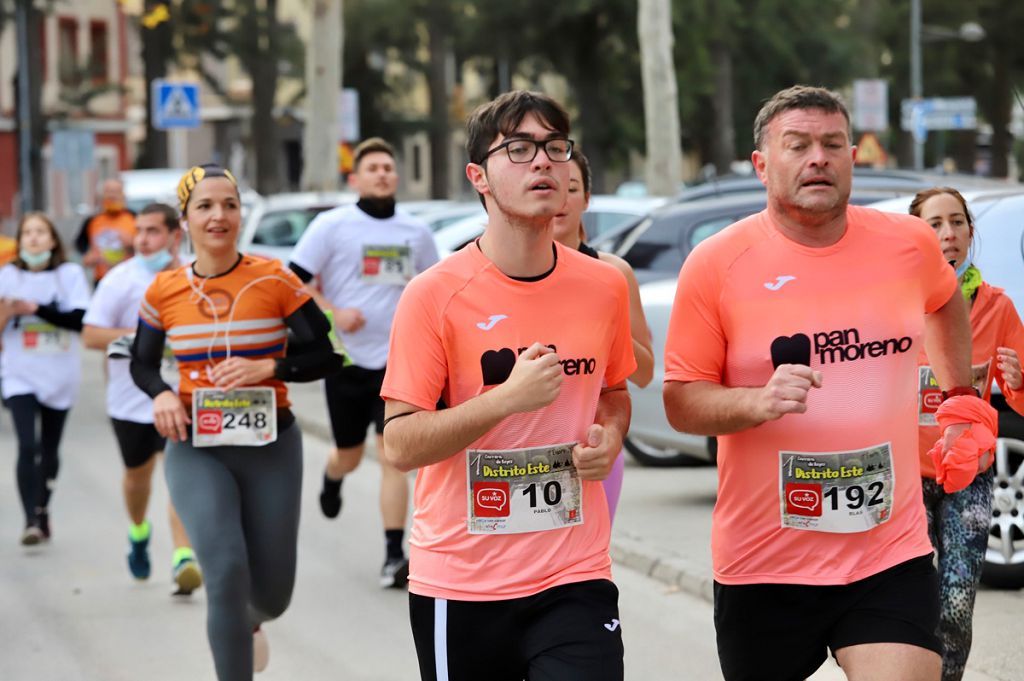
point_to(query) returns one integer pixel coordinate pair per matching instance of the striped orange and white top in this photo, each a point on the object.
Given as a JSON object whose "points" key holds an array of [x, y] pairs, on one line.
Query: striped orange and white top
{"points": [[237, 314]]}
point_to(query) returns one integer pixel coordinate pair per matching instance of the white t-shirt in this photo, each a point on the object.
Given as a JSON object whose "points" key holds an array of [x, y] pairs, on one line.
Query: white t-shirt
{"points": [[39, 358], [365, 263], [115, 305]]}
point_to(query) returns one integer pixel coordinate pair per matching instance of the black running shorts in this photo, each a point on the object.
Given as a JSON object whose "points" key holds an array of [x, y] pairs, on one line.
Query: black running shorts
{"points": [[138, 441], [566, 633], [783, 632], [353, 403]]}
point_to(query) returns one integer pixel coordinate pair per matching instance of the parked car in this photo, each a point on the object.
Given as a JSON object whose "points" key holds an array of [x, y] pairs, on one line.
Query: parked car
{"points": [[999, 254], [606, 213], [142, 187], [274, 226]]}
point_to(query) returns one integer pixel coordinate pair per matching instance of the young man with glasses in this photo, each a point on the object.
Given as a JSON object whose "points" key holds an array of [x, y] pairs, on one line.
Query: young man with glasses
{"points": [[506, 389], [364, 255]]}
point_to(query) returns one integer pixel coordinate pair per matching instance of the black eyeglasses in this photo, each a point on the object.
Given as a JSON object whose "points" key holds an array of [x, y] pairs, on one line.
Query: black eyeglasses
{"points": [[524, 150]]}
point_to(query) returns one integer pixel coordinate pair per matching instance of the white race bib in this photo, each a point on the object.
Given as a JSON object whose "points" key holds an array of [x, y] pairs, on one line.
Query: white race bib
{"points": [[839, 492], [43, 338], [523, 490], [244, 417], [387, 265]]}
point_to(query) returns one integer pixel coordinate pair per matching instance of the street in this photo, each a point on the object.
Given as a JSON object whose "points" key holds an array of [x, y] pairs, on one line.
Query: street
{"points": [[73, 613]]}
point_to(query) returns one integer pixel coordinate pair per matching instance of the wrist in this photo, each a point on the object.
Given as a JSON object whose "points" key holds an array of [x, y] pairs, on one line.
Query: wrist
{"points": [[960, 390]]}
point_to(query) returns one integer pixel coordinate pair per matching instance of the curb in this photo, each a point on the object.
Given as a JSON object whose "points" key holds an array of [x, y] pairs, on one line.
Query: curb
{"points": [[627, 550]]}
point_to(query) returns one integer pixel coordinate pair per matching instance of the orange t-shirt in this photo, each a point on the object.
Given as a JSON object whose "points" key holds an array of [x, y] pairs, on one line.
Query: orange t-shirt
{"points": [[994, 323], [455, 335], [750, 298], [108, 234], [247, 306]]}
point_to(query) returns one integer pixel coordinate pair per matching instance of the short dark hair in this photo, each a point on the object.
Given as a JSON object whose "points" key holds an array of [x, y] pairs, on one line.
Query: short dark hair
{"points": [[169, 215], [57, 256], [798, 97], [369, 146], [581, 161], [504, 114]]}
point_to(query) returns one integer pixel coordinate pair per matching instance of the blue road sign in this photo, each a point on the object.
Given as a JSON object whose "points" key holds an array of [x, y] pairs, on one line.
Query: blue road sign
{"points": [[175, 105]]}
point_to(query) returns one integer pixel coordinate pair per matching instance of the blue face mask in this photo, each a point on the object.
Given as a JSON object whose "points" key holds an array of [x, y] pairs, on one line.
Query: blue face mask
{"points": [[156, 262], [35, 259]]}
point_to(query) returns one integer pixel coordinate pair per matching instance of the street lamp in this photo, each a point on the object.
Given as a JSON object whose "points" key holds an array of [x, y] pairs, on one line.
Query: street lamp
{"points": [[971, 32]]}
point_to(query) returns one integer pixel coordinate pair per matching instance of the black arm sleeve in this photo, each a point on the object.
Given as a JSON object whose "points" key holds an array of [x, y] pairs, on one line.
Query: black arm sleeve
{"points": [[310, 354], [70, 320], [301, 272], [147, 353], [82, 240]]}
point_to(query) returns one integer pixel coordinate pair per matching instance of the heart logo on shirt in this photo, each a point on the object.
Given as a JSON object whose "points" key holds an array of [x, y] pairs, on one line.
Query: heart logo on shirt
{"points": [[795, 349], [496, 365]]}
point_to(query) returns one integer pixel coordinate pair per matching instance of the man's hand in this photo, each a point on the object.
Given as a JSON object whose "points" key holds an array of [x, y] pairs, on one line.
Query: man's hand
{"points": [[594, 459], [786, 391], [348, 319], [1009, 364], [236, 372], [535, 381]]}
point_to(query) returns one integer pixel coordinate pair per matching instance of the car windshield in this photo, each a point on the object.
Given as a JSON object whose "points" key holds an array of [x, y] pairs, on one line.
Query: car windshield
{"points": [[664, 241], [284, 227]]}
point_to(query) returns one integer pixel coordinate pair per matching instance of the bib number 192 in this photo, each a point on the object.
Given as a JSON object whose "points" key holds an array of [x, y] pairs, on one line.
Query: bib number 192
{"points": [[856, 496]]}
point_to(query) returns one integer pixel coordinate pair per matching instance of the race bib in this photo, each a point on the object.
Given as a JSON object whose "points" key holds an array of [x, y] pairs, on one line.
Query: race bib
{"points": [[43, 338], [929, 394], [387, 265], [839, 492], [244, 417], [523, 490]]}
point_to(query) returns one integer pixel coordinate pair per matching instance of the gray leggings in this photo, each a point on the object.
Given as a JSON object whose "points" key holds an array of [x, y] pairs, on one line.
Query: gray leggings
{"points": [[240, 507]]}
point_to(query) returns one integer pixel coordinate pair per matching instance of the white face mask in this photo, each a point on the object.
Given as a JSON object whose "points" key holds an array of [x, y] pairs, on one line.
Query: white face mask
{"points": [[156, 262], [35, 259]]}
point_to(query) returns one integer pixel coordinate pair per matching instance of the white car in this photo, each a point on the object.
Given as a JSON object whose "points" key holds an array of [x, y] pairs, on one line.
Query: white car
{"points": [[605, 214], [277, 222], [160, 185]]}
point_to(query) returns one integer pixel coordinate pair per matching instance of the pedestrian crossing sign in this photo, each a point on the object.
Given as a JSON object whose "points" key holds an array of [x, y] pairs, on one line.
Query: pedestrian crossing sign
{"points": [[175, 105]]}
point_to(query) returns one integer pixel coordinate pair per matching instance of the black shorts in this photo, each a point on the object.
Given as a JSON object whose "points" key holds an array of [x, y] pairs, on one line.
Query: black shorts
{"points": [[353, 403], [783, 632], [138, 441], [566, 633]]}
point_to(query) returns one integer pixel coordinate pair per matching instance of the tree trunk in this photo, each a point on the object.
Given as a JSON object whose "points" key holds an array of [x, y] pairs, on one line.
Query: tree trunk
{"points": [[440, 127], [661, 101], [724, 132], [156, 52], [1000, 113], [320, 134], [262, 69]]}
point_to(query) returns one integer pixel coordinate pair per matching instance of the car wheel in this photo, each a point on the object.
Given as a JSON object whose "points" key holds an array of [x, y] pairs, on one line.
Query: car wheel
{"points": [[663, 457], [1004, 559]]}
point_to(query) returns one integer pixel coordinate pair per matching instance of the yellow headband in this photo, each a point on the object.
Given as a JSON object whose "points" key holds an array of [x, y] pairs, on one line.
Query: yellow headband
{"points": [[190, 179]]}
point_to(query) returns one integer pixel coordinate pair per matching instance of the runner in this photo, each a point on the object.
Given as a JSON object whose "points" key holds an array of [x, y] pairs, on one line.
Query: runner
{"points": [[364, 255], [42, 300], [794, 336], [569, 231], [105, 238], [112, 315], [234, 462], [958, 521], [511, 576]]}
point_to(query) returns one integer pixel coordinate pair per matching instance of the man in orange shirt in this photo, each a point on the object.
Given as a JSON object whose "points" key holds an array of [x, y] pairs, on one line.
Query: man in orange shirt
{"points": [[794, 337], [105, 239], [526, 344]]}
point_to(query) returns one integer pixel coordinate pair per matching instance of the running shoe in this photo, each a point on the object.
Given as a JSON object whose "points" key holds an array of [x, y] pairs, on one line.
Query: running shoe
{"points": [[330, 497], [395, 573], [43, 523], [32, 535], [187, 576], [138, 558], [260, 650]]}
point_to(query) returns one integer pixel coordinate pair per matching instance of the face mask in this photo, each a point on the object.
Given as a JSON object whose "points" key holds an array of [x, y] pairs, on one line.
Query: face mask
{"points": [[34, 259], [113, 206], [156, 262]]}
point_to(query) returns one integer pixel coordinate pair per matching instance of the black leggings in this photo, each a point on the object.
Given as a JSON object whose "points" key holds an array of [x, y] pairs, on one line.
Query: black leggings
{"points": [[38, 460]]}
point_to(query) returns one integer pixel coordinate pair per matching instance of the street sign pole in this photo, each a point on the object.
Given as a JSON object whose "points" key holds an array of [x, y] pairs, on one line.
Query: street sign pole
{"points": [[916, 80], [24, 114]]}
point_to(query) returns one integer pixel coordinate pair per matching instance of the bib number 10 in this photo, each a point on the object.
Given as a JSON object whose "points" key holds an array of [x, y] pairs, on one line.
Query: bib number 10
{"points": [[244, 420], [551, 493], [856, 496]]}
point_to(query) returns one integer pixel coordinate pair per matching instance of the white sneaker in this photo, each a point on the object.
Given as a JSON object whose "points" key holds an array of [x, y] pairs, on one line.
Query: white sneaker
{"points": [[260, 650]]}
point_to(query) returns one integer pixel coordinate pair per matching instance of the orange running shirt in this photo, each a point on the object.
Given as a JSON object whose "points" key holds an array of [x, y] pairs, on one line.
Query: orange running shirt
{"points": [[456, 333], [247, 306], [855, 312], [994, 323], [107, 233]]}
